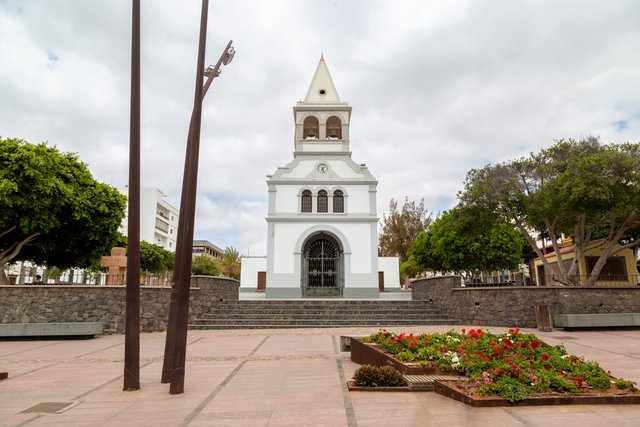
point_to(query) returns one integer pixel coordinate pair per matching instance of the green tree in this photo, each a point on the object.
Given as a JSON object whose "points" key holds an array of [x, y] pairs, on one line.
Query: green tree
{"points": [[155, 259], [410, 268], [204, 265], [231, 262], [466, 241], [583, 189], [52, 211], [401, 227]]}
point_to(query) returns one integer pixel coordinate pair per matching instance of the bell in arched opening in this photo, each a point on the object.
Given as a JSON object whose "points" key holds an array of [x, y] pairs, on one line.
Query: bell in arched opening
{"points": [[334, 128]]}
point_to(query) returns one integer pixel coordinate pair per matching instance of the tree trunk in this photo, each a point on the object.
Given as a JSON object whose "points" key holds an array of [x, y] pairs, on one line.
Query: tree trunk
{"points": [[593, 277], [4, 280]]}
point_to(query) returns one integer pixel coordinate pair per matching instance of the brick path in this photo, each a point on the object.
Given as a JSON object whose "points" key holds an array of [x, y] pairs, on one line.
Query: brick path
{"points": [[268, 378]]}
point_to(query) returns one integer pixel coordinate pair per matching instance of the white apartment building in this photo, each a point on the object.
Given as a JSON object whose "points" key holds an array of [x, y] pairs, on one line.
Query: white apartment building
{"points": [[158, 219]]}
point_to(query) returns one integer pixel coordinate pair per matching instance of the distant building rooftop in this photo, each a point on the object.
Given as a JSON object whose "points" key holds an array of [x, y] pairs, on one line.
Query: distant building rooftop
{"points": [[205, 247]]}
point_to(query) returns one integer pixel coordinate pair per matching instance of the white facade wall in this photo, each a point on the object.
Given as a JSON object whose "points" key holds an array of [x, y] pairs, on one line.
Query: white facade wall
{"points": [[391, 268], [251, 265]]}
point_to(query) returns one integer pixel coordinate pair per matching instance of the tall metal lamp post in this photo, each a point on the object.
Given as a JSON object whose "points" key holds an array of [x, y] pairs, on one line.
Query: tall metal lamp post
{"points": [[173, 369], [132, 320]]}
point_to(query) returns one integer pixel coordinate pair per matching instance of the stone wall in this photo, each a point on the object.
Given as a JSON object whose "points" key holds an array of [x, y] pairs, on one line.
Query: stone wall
{"points": [[52, 304], [515, 306]]}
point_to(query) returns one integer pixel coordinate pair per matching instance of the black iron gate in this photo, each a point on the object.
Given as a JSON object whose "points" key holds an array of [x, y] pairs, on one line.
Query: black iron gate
{"points": [[322, 274]]}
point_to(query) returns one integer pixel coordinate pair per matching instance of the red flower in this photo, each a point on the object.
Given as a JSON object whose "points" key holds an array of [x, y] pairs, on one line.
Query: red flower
{"points": [[412, 344], [496, 351], [544, 357], [535, 344]]}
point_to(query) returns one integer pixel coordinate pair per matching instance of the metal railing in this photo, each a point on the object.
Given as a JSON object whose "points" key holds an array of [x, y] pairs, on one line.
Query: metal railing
{"points": [[479, 284], [605, 280]]}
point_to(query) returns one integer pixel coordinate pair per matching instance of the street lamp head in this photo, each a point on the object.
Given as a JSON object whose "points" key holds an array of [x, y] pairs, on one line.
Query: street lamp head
{"points": [[228, 57], [209, 71]]}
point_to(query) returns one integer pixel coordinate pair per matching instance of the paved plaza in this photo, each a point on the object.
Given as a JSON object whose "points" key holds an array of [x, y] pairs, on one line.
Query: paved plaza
{"points": [[268, 378]]}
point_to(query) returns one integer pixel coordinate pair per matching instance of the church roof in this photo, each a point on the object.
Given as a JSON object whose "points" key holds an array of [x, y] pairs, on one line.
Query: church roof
{"points": [[322, 88]]}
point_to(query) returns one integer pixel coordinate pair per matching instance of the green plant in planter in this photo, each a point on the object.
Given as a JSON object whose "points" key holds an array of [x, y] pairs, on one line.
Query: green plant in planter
{"points": [[390, 377], [623, 384], [511, 389], [406, 356], [374, 376], [366, 376]]}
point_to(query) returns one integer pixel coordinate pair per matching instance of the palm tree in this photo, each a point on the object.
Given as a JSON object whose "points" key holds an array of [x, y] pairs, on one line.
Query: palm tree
{"points": [[230, 263]]}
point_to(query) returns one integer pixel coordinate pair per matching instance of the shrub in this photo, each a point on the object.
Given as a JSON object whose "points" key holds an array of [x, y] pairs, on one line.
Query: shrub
{"points": [[623, 384], [390, 377], [366, 376], [374, 376], [511, 389]]}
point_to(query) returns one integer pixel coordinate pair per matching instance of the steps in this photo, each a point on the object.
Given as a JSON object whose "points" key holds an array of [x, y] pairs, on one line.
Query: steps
{"points": [[320, 314]]}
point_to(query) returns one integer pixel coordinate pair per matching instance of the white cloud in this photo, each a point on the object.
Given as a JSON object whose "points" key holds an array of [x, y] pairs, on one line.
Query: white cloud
{"points": [[437, 88]]}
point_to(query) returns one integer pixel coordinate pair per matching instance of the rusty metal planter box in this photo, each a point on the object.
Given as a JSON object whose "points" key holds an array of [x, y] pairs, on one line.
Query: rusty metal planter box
{"points": [[369, 354], [448, 389]]}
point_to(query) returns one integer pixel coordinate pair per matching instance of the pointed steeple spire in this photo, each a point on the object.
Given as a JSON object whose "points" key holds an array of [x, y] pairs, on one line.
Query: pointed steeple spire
{"points": [[322, 88]]}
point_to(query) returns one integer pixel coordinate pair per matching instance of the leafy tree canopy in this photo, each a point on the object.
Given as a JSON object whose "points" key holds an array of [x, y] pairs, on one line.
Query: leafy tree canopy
{"points": [[466, 241], [204, 265], [155, 259], [583, 189], [52, 211], [401, 227]]}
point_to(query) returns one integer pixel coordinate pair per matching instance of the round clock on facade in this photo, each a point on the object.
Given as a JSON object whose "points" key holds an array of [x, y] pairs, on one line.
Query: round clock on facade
{"points": [[322, 167]]}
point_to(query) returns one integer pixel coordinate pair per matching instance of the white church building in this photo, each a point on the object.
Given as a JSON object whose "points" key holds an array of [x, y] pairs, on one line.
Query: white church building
{"points": [[322, 217]]}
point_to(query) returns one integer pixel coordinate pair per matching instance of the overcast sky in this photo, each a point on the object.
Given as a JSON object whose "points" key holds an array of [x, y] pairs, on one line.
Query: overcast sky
{"points": [[437, 88]]}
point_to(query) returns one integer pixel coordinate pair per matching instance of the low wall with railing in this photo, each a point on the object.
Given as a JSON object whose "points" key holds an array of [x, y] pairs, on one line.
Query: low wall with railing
{"points": [[514, 306], [61, 303]]}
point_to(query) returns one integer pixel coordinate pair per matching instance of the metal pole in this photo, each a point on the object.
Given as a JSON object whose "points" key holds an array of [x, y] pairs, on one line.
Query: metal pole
{"points": [[167, 365], [185, 245], [170, 340], [132, 324]]}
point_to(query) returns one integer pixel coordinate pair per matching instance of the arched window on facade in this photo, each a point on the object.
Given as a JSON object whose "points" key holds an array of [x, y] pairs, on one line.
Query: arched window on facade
{"points": [[311, 128], [338, 201], [323, 202], [306, 201], [334, 128]]}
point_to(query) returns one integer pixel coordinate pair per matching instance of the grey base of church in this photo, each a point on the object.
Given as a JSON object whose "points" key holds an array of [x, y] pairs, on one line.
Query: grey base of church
{"points": [[348, 293]]}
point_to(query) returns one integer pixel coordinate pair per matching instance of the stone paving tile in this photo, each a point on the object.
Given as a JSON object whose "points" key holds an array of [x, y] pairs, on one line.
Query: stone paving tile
{"points": [[270, 378], [290, 346]]}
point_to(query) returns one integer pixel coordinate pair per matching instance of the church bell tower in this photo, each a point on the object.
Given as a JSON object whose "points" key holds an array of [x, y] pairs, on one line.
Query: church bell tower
{"points": [[322, 120], [322, 221]]}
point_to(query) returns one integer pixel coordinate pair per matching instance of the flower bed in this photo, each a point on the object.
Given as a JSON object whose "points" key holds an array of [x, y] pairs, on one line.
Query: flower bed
{"points": [[512, 366], [368, 353]]}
